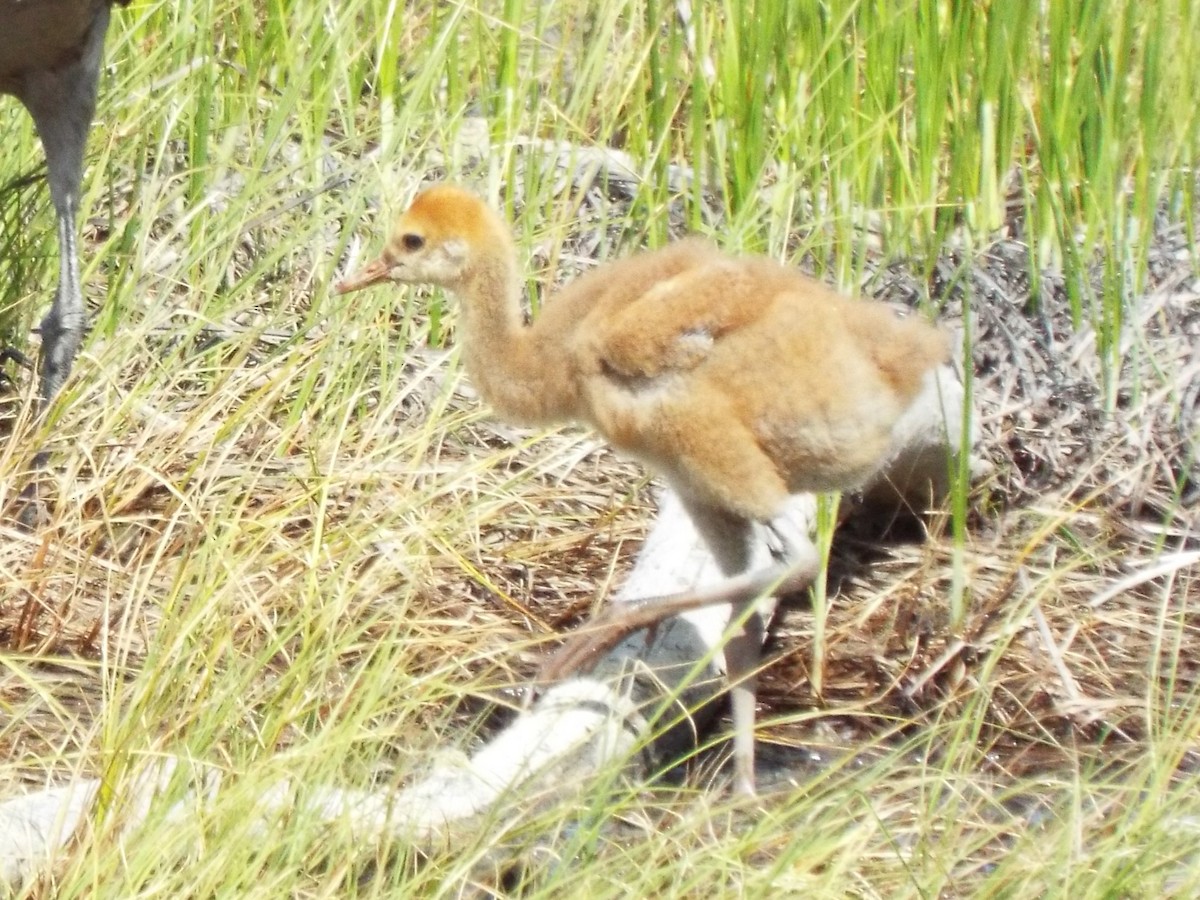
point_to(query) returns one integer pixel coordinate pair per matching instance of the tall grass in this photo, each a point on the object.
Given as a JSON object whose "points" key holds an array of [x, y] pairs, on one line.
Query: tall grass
{"points": [[928, 115], [284, 546]]}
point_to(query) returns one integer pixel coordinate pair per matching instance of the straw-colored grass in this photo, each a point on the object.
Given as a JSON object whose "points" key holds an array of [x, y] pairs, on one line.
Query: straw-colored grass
{"points": [[286, 540]]}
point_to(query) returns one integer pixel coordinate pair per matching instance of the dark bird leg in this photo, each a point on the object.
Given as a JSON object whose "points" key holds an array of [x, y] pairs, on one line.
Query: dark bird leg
{"points": [[62, 103], [60, 95]]}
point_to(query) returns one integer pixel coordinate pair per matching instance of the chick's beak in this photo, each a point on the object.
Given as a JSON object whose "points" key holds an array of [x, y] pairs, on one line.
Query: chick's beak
{"points": [[372, 273]]}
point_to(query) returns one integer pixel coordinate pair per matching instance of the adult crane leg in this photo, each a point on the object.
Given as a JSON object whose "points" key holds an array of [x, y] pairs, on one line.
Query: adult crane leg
{"points": [[62, 103]]}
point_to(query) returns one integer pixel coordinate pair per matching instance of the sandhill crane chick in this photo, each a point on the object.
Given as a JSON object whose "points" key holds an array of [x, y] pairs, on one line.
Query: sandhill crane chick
{"points": [[738, 379]]}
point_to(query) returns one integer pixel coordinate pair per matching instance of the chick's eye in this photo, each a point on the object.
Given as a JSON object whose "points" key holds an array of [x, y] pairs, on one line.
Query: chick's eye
{"points": [[412, 242]]}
